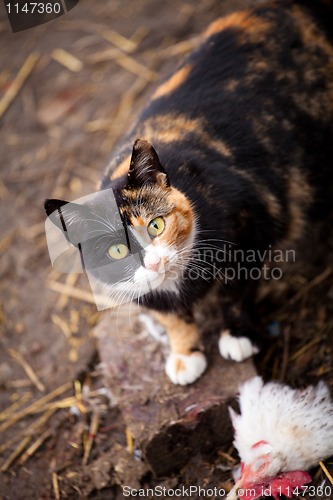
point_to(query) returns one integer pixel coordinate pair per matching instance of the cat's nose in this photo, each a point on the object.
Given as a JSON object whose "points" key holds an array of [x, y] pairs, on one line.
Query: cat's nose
{"points": [[152, 262]]}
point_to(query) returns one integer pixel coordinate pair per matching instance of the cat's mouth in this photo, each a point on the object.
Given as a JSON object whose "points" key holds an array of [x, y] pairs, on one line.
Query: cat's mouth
{"points": [[155, 276], [165, 276]]}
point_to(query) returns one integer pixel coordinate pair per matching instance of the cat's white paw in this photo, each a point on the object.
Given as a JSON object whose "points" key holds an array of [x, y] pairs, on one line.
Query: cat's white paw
{"points": [[154, 328], [184, 369], [236, 348]]}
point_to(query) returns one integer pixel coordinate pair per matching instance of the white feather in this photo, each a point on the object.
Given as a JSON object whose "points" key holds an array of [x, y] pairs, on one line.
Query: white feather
{"points": [[297, 424]]}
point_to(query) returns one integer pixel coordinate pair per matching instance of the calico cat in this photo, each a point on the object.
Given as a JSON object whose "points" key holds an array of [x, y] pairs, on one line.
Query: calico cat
{"points": [[234, 152]]}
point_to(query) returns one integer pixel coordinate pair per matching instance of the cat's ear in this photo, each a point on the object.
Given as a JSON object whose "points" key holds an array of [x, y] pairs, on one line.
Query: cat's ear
{"points": [[69, 217], [51, 205], [145, 166]]}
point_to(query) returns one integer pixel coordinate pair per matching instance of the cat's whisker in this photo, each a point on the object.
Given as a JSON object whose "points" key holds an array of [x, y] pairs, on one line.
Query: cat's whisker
{"points": [[201, 269], [206, 242], [119, 295], [202, 250], [108, 219], [99, 240], [201, 231], [128, 290], [105, 221], [196, 259], [102, 222]]}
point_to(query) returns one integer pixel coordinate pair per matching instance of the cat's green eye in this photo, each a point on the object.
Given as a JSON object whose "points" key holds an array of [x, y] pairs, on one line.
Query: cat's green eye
{"points": [[118, 252], [156, 227]]}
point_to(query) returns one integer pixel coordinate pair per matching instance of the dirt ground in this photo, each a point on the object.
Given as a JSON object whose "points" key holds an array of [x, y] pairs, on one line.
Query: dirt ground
{"points": [[56, 137]]}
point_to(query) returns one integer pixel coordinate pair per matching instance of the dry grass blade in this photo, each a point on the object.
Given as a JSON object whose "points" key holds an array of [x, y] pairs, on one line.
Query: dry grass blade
{"points": [[83, 295], [136, 68], [66, 403], [55, 484], [71, 292], [315, 282], [304, 348], [95, 419], [123, 112], [15, 406], [16, 453], [121, 45], [67, 60], [35, 445], [105, 55], [227, 456], [285, 357], [19, 383], [63, 466], [30, 430], [180, 47], [96, 126], [17, 356], [140, 34], [119, 41], [36, 406], [129, 441], [131, 95], [61, 323], [71, 280], [78, 389], [18, 82], [49, 408], [328, 475]]}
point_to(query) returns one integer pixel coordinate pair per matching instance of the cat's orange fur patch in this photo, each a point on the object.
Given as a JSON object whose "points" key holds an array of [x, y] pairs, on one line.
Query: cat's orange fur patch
{"points": [[173, 83], [180, 220], [169, 128], [232, 85], [272, 204], [174, 128], [311, 35], [122, 168], [321, 47], [242, 20], [183, 336], [138, 221], [180, 227], [179, 365], [300, 197]]}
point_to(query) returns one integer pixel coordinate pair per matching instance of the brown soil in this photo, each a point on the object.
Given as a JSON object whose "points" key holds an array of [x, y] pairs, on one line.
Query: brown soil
{"points": [[56, 137]]}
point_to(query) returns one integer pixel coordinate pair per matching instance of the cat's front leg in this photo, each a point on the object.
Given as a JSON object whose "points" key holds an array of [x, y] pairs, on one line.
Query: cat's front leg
{"points": [[238, 337], [186, 362], [236, 348]]}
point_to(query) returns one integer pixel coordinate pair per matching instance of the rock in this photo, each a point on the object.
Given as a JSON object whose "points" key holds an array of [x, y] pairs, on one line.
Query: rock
{"points": [[169, 423]]}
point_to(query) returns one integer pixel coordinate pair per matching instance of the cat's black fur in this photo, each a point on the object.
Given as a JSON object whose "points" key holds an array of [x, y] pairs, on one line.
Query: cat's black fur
{"points": [[230, 206], [247, 134]]}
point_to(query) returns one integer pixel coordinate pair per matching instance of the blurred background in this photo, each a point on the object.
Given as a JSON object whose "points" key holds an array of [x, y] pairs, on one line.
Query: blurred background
{"points": [[79, 83]]}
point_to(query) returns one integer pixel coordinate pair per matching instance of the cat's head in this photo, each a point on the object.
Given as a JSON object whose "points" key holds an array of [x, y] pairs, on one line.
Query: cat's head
{"points": [[137, 235]]}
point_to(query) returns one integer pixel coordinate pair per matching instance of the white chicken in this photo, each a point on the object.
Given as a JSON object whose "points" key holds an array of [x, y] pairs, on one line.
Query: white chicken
{"points": [[280, 433]]}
